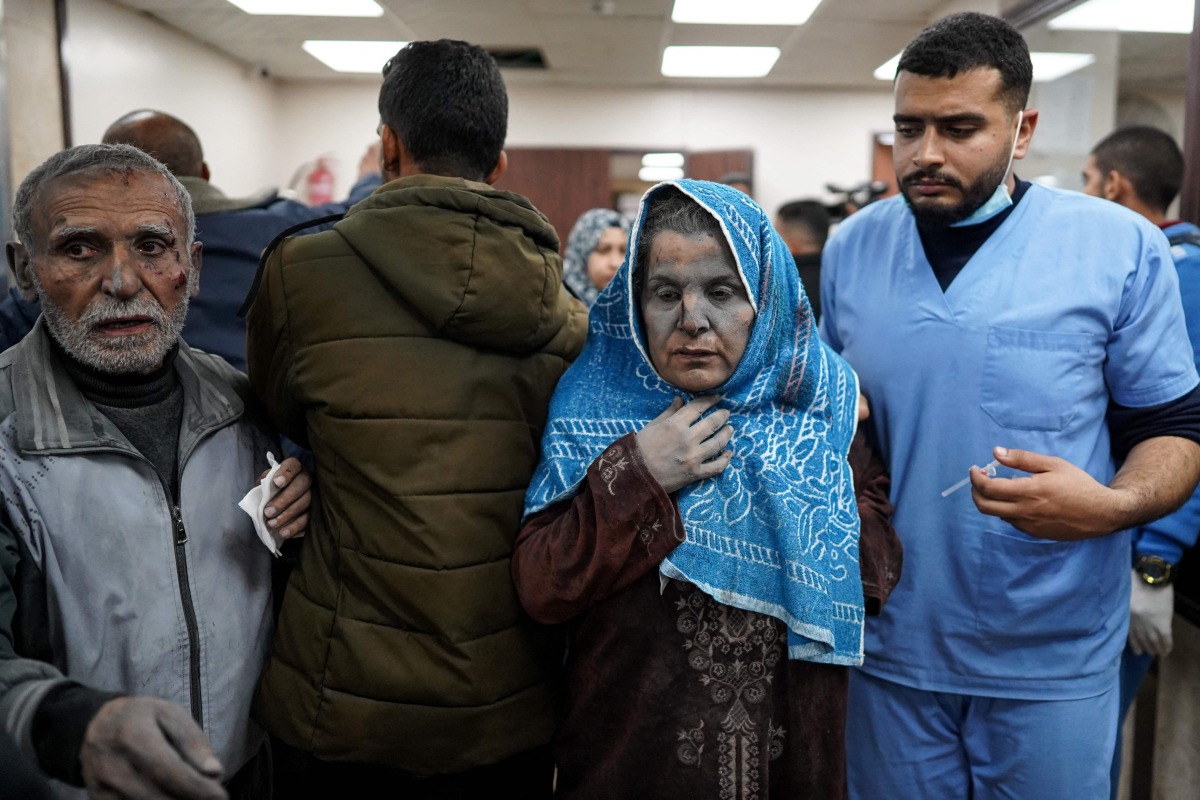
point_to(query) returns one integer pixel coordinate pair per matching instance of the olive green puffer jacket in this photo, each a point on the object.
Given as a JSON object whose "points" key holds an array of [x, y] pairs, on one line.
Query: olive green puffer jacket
{"points": [[414, 349]]}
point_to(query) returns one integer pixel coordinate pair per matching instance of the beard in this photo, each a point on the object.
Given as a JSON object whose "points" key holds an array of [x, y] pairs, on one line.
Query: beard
{"points": [[974, 195], [120, 355]]}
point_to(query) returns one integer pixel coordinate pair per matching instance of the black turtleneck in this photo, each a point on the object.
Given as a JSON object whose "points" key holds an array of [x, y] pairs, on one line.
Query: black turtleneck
{"points": [[949, 249], [146, 408]]}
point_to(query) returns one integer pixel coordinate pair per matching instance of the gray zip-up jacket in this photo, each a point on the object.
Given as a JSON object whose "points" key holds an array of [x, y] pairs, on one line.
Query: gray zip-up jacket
{"points": [[113, 586]]}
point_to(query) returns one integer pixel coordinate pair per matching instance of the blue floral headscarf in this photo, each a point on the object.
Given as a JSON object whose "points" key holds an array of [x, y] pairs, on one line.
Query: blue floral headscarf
{"points": [[585, 235], [777, 531]]}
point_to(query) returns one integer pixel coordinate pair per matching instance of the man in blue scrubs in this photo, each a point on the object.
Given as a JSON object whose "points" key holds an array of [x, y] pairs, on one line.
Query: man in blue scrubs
{"points": [[992, 319], [1141, 168]]}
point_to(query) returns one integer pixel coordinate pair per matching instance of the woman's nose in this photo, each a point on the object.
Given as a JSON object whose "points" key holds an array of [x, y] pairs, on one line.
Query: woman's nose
{"points": [[693, 315]]}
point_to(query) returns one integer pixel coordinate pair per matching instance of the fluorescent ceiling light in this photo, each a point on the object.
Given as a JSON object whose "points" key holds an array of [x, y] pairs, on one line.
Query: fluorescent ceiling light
{"points": [[1046, 66], [662, 160], [311, 8], [718, 62], [655, 174], [1154, 16], [353, 56], [1052, 66], [744, 12]]}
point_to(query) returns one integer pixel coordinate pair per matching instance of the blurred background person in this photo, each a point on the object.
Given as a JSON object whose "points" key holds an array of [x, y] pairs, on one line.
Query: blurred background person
{"points": [[1141, 167], [804, 226], [595, 250]]}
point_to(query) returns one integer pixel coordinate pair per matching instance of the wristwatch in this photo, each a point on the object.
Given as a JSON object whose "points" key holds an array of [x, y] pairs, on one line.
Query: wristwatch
{"points": [[1154, 570]]}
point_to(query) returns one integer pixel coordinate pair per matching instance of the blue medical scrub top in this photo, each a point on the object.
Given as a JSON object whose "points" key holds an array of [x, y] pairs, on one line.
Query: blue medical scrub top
{"points": [[1073, 301]]}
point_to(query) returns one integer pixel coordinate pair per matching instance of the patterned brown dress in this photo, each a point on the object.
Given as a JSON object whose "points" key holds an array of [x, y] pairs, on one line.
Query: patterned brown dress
{"points": [[670, 694]]}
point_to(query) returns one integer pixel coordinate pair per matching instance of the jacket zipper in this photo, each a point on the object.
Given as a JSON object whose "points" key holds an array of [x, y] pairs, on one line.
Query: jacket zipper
{"points": [[189, 612], [193, 633]]}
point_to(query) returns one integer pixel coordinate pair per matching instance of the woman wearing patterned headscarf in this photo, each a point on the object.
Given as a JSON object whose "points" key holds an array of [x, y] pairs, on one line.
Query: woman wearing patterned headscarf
{"points": [[595, 249], [695, 517]]}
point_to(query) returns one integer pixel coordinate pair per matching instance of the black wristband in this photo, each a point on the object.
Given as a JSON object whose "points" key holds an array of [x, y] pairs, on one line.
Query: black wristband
{"points": [[59, 725]]}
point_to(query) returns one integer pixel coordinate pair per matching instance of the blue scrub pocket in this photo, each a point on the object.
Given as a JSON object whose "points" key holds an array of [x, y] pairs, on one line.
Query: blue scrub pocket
{"points": [[1035, 380], [1030, 588]]}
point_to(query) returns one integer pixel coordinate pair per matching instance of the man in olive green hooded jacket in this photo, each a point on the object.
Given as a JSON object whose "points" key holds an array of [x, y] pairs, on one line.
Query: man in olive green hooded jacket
{"points": [[414, 349]]}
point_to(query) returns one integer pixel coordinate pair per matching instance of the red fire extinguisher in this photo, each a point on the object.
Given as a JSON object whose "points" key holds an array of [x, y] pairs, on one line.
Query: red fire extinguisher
{"points": [[319, 185]]}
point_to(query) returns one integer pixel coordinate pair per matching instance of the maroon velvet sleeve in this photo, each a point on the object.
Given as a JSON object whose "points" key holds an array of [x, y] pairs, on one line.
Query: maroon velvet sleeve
{"points": [[574, 554], [879, 549]]}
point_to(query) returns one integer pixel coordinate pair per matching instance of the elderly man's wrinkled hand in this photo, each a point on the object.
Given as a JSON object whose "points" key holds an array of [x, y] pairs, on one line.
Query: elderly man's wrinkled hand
{"points": [[681, 446], [1057, 501], [147, 747], [287, 513]]}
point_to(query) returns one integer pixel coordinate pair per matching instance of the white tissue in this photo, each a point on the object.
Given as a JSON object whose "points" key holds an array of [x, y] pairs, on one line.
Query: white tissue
{"points": [[256, 501]]}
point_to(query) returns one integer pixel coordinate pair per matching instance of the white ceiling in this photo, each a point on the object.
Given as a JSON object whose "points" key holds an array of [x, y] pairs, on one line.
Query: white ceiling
{"points": [[839, 47]]}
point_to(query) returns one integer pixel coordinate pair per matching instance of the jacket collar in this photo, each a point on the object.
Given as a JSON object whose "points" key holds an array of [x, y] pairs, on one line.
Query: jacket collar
{"points": [[208, 199], [53, 416]]}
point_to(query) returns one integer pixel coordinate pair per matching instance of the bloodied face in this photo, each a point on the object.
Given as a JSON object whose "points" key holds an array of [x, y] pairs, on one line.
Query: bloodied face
{"points": [[112, 266], [695, 310]]}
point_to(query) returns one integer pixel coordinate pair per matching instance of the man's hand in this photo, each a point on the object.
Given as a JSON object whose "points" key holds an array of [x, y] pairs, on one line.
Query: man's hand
{"points": [[1151, 609], [1057, 501], [287, 513], [146, 747], [864, 408], [1060, 501], [679, 448]]}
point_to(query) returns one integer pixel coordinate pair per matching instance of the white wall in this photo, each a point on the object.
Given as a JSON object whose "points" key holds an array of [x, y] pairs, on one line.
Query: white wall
{"points": [[119, 61], [802, 140]]}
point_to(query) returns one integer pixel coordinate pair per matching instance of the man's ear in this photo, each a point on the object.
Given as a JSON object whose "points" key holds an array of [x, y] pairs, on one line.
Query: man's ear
{"points": [[1029, 121], [498, 171], [1114, 186], [204, 173], [197, 261], [21, 266], [392, 154]]}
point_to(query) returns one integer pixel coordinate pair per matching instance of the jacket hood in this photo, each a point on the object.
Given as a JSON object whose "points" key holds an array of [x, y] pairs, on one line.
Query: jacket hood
{"points": [[479, 264]]}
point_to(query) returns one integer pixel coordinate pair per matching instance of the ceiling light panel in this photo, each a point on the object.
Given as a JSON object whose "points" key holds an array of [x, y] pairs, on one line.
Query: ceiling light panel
{"points": [[1046, 66], [1151, 16], [655, 174], [311, 8], [718, 62], [343, 56], [744, 12], [662, 160]]}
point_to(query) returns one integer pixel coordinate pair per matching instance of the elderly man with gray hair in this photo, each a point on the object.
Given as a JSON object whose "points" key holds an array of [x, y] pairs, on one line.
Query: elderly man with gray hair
{"points": [[135, 599]]}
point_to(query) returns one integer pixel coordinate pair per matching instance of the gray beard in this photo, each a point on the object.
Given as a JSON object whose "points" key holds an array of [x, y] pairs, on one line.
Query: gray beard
{"points": [[121, 356]]}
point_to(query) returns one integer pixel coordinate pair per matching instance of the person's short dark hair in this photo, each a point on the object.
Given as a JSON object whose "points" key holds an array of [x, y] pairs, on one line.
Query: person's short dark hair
{"points": [[808, 214], [968, 41], [447, 103], [1148, 158]]}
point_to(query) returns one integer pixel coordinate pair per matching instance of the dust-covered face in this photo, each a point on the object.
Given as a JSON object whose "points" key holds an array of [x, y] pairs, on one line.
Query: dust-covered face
{"points": [[695, 311], [112, 267]]}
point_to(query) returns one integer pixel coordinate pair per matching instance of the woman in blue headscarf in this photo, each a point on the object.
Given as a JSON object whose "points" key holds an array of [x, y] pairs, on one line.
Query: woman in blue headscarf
{"points": [[694, 517], [595, 249]]}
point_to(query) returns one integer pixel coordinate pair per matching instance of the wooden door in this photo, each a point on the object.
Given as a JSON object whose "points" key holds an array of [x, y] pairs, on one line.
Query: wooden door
{"points": [[713, 165], [563, 182]]}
